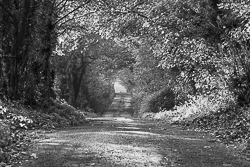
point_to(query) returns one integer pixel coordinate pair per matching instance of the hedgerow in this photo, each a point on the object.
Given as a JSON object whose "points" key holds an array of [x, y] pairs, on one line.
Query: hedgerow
{"points": [[227, 121]]}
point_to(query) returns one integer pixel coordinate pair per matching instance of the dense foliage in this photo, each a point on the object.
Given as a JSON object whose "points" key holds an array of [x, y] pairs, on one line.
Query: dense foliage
{"points": [[198, 49], [56, 53]]}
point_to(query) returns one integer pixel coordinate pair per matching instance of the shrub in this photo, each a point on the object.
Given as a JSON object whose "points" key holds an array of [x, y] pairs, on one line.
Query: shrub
{"points": [[5, 137], [223, 117], [163, 99], [13, 123], [197, 107], [58, 115], [240, 86]]}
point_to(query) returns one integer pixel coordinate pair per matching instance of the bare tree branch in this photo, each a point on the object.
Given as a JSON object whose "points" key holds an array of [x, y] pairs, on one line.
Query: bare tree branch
{"points": [[66, 21], [65, 1], [74, 10]]}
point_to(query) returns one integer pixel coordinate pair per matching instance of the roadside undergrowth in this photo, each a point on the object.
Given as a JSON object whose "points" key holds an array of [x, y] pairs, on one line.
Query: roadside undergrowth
{"points": [[18, 123], [228, 122]]}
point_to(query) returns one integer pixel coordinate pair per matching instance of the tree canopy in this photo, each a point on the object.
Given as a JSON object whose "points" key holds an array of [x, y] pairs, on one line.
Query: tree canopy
{"points": [[60, 48]]}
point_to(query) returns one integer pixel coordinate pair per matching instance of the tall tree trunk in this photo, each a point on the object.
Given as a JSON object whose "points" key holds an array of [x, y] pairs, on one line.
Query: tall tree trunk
{"points": [[48, 36], [77, 74], [15, 21]]}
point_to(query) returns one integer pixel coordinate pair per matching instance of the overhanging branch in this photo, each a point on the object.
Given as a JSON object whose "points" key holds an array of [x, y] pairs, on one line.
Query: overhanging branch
{"points": [[74, 10]]}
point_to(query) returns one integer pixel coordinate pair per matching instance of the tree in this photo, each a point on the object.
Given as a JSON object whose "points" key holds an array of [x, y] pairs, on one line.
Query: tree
{"points": [[236, 47], [27, 40], [90, 60], [29, 33], [184, 38]]}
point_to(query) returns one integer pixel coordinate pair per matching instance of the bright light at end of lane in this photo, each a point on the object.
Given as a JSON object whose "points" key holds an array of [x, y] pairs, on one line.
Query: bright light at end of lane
{"points": [[119, 88]]}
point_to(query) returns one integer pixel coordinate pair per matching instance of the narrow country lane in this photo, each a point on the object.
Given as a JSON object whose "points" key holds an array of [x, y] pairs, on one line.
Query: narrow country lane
{"points": [[116, 139], [121, 106]]}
